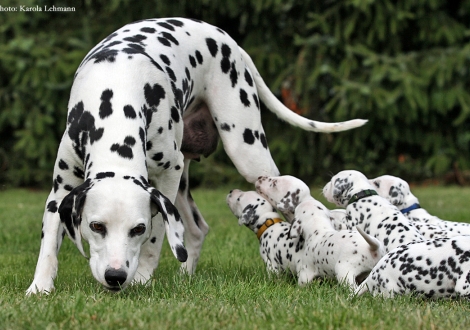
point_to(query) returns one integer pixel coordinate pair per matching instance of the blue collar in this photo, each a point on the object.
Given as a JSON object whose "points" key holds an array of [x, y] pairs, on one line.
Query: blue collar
{"points": [[411, 208]]}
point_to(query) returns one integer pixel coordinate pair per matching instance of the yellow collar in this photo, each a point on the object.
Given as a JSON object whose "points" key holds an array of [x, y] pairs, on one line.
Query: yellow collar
{"points": [[268, 223]]}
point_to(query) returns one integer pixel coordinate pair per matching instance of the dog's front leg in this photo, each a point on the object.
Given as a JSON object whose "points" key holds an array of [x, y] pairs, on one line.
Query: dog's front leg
{"points": [[167, 183], [195, 227], [47, 265]]}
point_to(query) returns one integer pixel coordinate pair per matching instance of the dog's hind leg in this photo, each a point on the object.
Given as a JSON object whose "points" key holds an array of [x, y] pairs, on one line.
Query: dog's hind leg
{"points": [[195, 226]]}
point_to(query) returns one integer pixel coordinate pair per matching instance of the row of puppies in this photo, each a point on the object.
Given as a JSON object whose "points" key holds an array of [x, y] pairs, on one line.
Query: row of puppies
{"points": [[436, 268], [397, 191], [308, 245]]}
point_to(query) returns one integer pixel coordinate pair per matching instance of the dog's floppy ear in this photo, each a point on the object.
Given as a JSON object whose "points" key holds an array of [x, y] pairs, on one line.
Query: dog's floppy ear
{"points": [[248, 215], [70, 211], [397, 197], [287, 208], [376, 182], [296, 228], [173, 223]]}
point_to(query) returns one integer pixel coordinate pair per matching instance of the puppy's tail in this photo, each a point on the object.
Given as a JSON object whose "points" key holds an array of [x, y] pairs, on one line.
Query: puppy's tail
{"points": [[373, 242], [276, 106]]}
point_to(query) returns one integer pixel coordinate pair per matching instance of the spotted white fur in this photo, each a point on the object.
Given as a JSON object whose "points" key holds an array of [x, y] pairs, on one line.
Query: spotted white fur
{"points": [[373, 214], [397, 191]]}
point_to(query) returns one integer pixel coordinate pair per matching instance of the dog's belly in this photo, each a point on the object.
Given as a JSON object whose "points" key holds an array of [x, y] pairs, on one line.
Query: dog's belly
{"points": [[200, 135]]}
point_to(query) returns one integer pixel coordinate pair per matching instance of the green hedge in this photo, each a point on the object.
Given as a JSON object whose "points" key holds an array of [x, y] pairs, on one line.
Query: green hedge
{"points": [[403, 64]]}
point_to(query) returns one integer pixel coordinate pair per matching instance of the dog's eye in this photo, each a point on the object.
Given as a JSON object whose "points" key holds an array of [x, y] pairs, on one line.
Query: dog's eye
{"points": [[138, 230], [97, 227]]}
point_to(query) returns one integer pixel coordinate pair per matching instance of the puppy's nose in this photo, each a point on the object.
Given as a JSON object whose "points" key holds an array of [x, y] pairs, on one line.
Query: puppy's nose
{"points": [[115, 277]]}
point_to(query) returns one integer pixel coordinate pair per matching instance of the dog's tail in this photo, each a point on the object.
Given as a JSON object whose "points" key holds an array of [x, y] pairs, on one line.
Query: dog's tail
{"points": [[373, 242], [276, 106]]}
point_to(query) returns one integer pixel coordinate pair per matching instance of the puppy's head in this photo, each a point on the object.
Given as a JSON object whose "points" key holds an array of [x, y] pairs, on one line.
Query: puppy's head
{"points": [[283, 192], [344, 185], [395, 190], [114, 215], [247, 206]]}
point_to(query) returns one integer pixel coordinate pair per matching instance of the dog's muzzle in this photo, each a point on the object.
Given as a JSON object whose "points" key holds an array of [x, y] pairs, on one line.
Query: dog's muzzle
{"points": [[115, 278]]}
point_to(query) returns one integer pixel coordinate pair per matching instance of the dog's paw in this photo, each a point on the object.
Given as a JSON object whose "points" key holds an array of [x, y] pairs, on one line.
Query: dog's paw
{"points": [[142, 276], [188, 267], [40, 287]]}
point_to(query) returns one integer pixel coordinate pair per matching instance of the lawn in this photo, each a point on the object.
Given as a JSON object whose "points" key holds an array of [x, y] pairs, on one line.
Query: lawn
{"points": [[230, 290]]}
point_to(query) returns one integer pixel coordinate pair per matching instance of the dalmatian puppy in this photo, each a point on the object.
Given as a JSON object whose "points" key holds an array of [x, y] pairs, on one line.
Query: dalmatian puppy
{"points": [[397, 191], [349, 256], [432, 268], [370, 212], [283, 192], [145, 101], [279, 251], [286, 192]]}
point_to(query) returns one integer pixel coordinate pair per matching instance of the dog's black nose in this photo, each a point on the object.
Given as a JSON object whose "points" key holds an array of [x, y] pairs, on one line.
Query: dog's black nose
{"points": [[115, 277]]}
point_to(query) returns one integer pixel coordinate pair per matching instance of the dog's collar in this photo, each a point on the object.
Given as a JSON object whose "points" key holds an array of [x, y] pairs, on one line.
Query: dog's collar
{"points": [[411, 208], [268, 223], [362, 194]]}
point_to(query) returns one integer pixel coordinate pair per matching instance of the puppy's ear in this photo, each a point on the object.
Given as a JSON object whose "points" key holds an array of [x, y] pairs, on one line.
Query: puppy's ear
{"points": [[70, 211], [248, 215], [173, 223], [296, 228], [396, 195], [285, 207], [375, 183]]}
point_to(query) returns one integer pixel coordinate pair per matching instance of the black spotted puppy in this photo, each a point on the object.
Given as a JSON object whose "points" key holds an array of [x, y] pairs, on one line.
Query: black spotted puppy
{"points": [[279, 252], [286, 192], [433, 269], [346, 255], [369, 211], [283, 192], [397, 191]]}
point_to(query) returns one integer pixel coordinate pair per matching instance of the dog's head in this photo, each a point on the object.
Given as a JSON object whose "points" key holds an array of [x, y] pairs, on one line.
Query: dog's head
{"points": [[114, 215], [344, 185], [395, 190], [283, 192], [248, 206]]}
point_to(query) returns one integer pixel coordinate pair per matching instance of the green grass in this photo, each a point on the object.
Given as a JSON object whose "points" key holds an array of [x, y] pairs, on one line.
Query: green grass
{"points": [[230, 290]]}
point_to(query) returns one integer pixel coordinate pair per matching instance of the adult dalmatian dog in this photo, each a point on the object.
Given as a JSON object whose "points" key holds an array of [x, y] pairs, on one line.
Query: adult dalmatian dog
{"points": [[145, 101]]}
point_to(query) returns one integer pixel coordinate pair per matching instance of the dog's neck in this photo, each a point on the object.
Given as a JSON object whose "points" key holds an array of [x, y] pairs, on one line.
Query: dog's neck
{"points": [[124, 155], [410, 203], [260, 224], [362, 194]]}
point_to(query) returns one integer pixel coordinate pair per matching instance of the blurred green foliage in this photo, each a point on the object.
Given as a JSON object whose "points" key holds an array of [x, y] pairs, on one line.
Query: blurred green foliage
{"points": [[402, 64]]}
